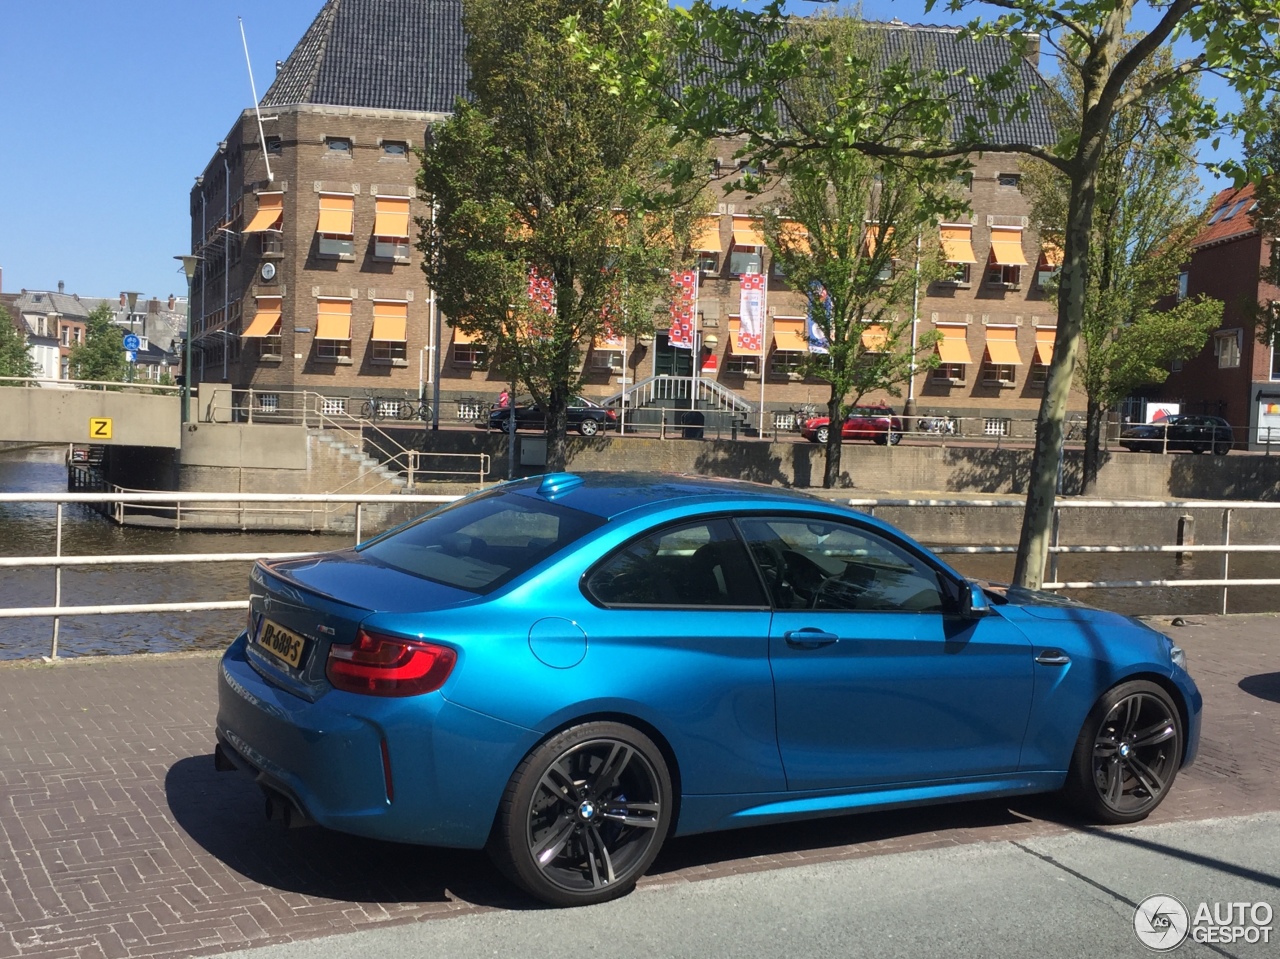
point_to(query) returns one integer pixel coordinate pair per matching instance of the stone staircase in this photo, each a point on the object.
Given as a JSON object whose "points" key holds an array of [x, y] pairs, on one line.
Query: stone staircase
{"points": [[339, 465]]}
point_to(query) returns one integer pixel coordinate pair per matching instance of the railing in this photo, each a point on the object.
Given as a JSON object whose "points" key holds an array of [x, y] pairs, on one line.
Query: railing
{"points": [[136, 386], [1056, 549], [59, 562], [653, 389]]}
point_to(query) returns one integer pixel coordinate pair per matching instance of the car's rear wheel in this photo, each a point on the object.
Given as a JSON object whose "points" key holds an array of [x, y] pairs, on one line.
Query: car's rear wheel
{"points": [[584, 815], [820, 435], [1222, 449], [893, 438], [1128, 753], [505, 425], [588, 427]]}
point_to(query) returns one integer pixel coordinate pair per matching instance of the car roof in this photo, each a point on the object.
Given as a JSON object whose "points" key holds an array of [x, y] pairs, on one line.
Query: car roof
{"points": [[611, 494]]}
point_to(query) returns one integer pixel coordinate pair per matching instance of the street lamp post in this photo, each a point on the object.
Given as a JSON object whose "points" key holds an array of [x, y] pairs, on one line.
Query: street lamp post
{"points": [[131, 296], [189, 268]]}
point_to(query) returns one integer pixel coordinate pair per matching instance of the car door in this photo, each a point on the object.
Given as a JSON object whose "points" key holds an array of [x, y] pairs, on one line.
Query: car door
{"points": [[878, 677]]}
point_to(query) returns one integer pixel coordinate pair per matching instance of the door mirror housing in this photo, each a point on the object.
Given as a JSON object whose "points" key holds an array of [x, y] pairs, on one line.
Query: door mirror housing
{"points": [[973, 601]]}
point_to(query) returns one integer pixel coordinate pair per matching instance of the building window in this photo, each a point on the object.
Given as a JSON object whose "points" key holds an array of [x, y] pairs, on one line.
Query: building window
{"points": [[333, 405], [1226, 347], [66, 336], [388, 350], [333, 349], [606, 360], [1039, 375], [470, 354], [709, 263], [995, 427], [335, 226], [395, 148], [965, 180], [999, 373], [744, 365], [959, 273], [272, 145], [786, 363], [744, 260], [1012, 180], [950, 372], [268, 402], [66, 367], [338, 145], [1183, 280], [1275, 363], [1009, 276]]}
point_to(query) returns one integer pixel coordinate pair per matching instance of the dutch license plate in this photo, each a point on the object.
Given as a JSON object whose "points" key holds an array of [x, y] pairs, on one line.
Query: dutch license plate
{"points": [[283, 644]]}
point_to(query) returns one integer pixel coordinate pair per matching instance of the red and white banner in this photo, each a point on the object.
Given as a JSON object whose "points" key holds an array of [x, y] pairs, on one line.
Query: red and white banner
{"points": [[610, 321], [751, 313], [684, 307], [542, 291]]}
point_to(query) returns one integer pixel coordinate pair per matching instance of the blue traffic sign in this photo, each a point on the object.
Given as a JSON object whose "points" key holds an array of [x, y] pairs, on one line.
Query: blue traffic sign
{"points": [[131, 342]]}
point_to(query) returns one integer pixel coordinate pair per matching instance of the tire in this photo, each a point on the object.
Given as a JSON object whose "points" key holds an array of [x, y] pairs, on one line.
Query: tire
{"points": [[893, 438], [820, 435], [588, 427], [1222, 449], [584, 815], [405, 411], [505, 425], [1127, 755]]}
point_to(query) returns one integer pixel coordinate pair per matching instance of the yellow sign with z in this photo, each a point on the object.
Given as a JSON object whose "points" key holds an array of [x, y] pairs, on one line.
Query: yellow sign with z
{"points": [[99, 427]]}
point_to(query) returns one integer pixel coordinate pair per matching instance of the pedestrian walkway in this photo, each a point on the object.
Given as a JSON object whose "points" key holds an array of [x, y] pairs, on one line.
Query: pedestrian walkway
{"points": [[118, 839]]}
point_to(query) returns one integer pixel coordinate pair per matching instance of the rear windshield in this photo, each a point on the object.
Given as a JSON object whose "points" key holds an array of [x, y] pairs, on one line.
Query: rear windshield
{"points": [[483, 542]]}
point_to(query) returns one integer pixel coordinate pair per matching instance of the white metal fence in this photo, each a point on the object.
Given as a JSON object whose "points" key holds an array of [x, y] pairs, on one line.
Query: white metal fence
{"points": [[58, 561]]}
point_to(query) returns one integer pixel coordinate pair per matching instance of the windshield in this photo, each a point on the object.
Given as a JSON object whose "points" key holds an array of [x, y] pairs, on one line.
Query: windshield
{"points": [[482, 542]]}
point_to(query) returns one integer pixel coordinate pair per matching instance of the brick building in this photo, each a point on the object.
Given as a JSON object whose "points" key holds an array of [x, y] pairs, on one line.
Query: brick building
{"points": [[1236, 375], [310, 280]]}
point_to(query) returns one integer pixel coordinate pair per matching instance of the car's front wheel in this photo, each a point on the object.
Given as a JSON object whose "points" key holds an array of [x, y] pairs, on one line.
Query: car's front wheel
{"points": [[1128, 753], [893, 437], [584, 815], [588, 427], [820, 436]]}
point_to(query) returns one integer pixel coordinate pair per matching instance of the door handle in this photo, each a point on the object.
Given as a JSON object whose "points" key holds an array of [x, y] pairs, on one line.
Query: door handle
{"points": [[808, 638], [1053, 657]]}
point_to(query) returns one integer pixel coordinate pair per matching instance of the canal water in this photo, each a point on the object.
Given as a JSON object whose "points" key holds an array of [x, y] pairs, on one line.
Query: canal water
{"points": [[29, 530]]}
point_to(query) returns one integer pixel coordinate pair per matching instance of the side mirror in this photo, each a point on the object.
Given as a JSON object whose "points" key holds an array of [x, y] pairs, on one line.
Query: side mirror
{"points": [[973, 601]]}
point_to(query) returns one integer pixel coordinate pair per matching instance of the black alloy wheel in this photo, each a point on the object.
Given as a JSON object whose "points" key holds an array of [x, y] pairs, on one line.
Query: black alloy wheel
{"points": [[584, 815], [1128, 753]]}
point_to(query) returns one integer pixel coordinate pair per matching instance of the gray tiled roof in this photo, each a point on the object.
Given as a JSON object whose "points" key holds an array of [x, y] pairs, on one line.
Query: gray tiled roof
{"points": [[40, 301], [378, 54]]}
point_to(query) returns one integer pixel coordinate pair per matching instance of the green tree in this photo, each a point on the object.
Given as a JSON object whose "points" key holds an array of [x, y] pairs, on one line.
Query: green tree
{"points": [[848, 228], [1263, 150], [15, 358], [101, 356], [546, 175], [1146, 216], [754, 57]]}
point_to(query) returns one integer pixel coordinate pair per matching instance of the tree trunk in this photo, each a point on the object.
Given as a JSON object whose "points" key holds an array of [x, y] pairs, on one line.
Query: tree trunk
{"points": [[1037, 517], [557, 416], [1095, 417], [835, 437]]}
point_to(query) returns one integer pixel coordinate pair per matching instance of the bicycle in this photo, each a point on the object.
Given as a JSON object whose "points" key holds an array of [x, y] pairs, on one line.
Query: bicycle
{"points": [[1075, 428], [379, 407], [936, 424], [418, 409]]}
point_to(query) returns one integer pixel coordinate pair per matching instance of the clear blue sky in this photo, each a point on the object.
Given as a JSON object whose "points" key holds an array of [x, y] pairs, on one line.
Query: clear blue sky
{"points": [[112, 108]]}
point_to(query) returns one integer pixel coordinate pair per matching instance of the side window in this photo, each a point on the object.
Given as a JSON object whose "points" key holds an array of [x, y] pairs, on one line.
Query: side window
{"points": [[700, 564], [821, 564]]}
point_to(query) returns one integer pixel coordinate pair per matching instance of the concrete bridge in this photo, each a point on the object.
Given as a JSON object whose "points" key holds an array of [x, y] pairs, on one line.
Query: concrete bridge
{"points": [[115, 414]]}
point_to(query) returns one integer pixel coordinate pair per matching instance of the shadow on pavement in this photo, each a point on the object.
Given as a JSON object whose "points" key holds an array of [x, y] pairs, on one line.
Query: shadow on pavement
{"points": [[224, 813], [1263, 685]]}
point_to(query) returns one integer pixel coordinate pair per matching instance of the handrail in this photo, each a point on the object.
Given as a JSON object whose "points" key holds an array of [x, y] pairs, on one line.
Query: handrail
{"points": [[125, 385], [58, 561], [720, 396]]}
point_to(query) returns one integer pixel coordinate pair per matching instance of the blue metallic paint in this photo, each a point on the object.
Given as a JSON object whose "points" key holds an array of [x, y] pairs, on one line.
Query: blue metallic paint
{"points": [[882, 718]]}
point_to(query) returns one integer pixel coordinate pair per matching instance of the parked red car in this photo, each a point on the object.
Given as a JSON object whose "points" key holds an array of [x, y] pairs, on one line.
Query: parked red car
{"points": [[876, 423]]}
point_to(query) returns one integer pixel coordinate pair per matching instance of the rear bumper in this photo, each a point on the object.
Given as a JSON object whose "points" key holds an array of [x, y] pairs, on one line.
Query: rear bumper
{"points": [[419, 769]]}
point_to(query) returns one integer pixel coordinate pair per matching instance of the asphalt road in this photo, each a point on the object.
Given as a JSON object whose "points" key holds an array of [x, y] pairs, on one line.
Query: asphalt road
{"points": [[1063, 896]]}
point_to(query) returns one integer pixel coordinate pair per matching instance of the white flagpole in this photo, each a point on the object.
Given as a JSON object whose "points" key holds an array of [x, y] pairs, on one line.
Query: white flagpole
{"points": [[695, 348], [765, 339]]}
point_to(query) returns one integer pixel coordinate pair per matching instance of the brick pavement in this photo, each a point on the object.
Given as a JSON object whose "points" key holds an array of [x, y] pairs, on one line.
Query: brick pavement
{"points": [[117, 838]]}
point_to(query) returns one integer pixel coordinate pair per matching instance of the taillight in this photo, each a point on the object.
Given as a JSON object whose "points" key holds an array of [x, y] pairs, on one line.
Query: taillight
{"points": [[389, 666], [611, 416]]}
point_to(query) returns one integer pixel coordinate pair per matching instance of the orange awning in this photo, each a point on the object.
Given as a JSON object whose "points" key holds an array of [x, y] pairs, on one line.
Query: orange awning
{"points": [[957, 244], [706, 235], [873, 231], [390, 321], [266, 319], [875, 338], [1044, 344], [1051, 254], [270, 213], [789, 336], [337, 214], [747, 231], [1002, 346], [1006, 246], [333, 320], [734, 325], [954, 345], [607, 344], [794, 236], [462, 338], [391, 216]]}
